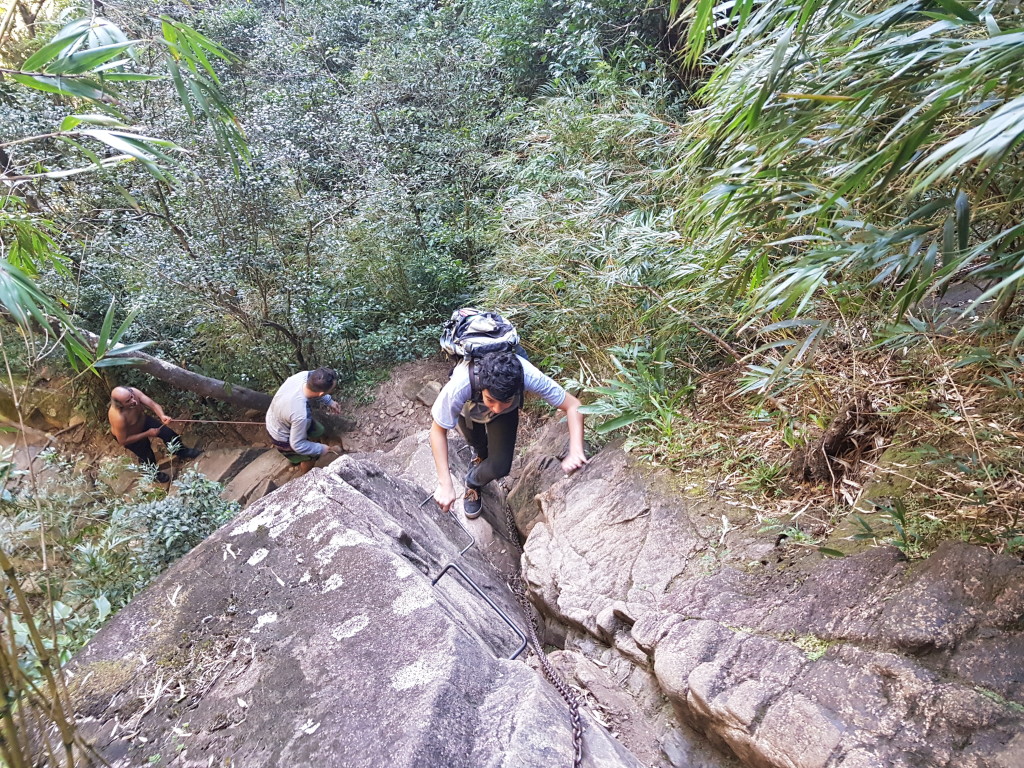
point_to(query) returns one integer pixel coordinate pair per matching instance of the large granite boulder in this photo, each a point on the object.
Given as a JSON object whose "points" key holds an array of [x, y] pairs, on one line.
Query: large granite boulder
{"points": [[308, 632], [781, 659]]}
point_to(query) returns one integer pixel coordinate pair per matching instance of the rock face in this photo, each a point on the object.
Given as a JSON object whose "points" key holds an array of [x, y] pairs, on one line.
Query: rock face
{"points": [[307, 632], [782, 661]]}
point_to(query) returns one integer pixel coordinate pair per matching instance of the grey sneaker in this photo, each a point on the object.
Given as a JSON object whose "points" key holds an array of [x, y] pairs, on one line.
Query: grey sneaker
{"points": [[471, 504]]}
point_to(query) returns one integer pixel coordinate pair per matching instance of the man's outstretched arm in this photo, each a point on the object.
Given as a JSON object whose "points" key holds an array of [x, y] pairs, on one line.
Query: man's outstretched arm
{"points": [[576, 457], [445, 493], [152, 405]]}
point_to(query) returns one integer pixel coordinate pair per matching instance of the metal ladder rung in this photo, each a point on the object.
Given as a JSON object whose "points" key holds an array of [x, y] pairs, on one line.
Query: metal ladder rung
{"points": [[497, 609], [458, 522]]}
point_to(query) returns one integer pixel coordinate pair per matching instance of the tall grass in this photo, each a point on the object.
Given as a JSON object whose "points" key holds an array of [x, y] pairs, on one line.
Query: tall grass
{"points": [[837, 158], [871, 145]]}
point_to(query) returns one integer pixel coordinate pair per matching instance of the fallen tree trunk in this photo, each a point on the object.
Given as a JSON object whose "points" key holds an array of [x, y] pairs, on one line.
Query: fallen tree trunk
{"points": [[176, 376]]}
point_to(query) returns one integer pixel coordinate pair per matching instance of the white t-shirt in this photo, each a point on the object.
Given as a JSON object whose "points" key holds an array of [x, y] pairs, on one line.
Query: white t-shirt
{"points": [[458, 392]]}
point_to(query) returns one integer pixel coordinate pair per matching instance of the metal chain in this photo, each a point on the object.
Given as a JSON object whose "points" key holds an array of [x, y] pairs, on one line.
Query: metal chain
{"points": [[518, 586]]}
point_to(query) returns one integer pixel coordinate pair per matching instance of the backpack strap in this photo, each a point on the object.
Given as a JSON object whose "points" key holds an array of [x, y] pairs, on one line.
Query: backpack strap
{"points": [[477, 395]]}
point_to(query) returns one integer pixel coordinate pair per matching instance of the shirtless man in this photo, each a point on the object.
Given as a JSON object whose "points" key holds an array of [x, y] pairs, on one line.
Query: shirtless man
{"points": [[133, 427]]}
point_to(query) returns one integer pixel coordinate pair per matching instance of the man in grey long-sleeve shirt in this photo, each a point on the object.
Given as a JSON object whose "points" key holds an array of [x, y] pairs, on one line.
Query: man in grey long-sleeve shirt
{"points": [[290, 422]]}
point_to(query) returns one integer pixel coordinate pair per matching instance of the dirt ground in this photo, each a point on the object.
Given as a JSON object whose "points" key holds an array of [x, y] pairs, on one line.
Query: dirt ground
{"points": [[395, 411]]}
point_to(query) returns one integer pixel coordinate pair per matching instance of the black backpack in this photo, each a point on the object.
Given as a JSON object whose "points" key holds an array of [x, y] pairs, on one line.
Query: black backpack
{"points": [[471, 333]]}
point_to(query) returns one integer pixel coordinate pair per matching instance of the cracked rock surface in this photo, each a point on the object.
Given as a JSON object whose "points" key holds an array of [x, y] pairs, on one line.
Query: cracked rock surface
{"points": [[307, 632], [864, 661]]}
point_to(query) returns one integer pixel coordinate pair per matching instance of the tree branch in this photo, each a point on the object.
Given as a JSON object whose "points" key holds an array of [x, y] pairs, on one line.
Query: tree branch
{"points": [[181, 378]]}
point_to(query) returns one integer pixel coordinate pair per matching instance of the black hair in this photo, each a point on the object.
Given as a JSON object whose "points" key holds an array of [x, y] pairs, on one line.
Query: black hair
{"points": [[321, 380], [501, 374]]}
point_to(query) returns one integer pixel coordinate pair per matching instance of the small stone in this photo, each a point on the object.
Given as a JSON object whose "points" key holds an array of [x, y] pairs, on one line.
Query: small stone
{"points": [[429, 393]]}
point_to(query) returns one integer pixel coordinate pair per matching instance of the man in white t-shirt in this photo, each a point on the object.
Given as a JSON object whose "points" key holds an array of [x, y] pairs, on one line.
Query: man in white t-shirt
{"points": [[482, 398], [290, 422]]}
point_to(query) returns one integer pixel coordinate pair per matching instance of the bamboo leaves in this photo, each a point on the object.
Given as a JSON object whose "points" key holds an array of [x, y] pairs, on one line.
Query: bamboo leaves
{"points": [[89, 59], [910, 115], [198, 86], [83, 34], [109, 340], [984, 145], [71, 64], [20, 297]]}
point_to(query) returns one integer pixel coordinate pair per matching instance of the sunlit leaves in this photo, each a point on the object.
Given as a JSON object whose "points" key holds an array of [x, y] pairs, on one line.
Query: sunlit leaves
{"points": [[357, 223], [983, 146], [640, 391], [907, 117], [80, 36], [109, 340], [27, 241], [72, 63], [197, 83], [89, 59], [21, 299]]}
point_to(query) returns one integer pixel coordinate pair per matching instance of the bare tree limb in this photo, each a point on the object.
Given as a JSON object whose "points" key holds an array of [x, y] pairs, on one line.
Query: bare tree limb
{"points": [[181, 378]]}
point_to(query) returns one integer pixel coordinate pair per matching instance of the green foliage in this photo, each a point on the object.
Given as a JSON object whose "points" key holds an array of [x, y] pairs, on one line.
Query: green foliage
{"points": [[360, 221], [813, 647], [766, 478], [171, 526], [102, 550], [539, 41], [792, 533], [642, 392], [90, 56], [902, 524], [820, 179], [858, 149], [32, 245], [84, 64], [587, 239]]}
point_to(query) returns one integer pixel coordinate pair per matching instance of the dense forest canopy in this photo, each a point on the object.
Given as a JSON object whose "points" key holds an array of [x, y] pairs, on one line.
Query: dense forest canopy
{"points": [[656, 195], [402, 157], [722, 223]]}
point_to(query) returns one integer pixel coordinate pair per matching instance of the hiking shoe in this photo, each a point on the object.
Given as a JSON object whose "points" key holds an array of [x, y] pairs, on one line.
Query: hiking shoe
{"points": [[163, 477], [189, 453], [471, 504]]}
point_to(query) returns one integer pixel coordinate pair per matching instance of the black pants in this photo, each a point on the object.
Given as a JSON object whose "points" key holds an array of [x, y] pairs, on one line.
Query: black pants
{"points": [[143, 449], [495, 443]]}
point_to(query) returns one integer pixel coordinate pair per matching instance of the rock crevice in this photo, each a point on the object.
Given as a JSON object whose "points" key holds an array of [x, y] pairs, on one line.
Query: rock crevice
{"points": [[308, 632]]}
